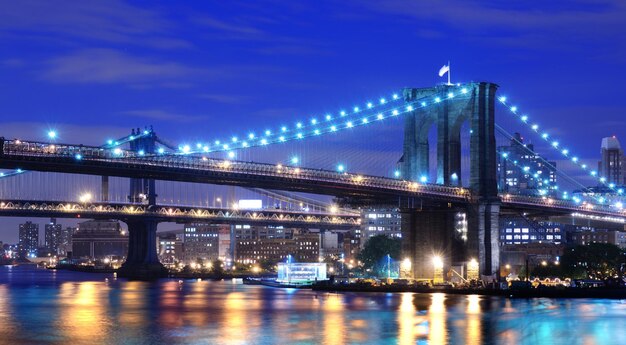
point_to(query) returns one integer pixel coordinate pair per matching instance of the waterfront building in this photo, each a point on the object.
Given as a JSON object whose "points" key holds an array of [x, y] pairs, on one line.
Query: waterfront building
{"points": [[520, 230], [246, 232], [302, 247], [99, 239], [520, 170], [169, 248], [351, 246], [617, 238], [380, 221], [516, 258], [28, 239], [201, 241]]}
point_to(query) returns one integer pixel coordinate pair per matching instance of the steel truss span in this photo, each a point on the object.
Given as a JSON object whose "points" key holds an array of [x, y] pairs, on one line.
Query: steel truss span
{"points": [[173, 213]]}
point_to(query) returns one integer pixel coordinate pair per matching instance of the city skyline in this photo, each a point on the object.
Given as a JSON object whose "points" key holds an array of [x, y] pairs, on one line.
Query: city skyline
{"points": [[328, 172], [182, 69]]}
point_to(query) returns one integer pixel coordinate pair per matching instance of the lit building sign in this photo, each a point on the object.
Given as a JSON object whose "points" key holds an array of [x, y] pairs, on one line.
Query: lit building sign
{"points": [[250, 204]]}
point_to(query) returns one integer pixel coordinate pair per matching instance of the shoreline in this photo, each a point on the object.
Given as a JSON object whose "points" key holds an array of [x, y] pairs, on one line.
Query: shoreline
{"points": [[543, 292], [606, 293]]}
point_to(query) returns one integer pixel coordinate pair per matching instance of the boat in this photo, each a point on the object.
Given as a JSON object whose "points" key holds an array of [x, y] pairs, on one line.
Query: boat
{"points": [[276, 283]]}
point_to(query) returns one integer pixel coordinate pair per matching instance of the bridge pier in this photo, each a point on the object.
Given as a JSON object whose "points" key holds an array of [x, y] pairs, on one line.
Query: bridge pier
{"points": [[427, 234], [142, 261], [482, 237]]}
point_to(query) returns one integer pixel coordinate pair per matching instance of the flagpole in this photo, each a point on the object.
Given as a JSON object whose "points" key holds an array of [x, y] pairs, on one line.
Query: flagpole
{"points": [[449, 71]]}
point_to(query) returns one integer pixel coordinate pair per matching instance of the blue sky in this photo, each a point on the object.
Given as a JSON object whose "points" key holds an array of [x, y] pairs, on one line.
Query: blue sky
{"points": [[204, 70]]}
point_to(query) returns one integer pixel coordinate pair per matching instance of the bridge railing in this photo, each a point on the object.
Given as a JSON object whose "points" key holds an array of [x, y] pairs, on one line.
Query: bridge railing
{"points": [[567, 204], [277, 170], [203, 163]]}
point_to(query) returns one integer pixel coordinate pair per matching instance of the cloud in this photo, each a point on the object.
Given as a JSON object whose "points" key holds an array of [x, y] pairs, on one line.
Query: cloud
{"points": [[162, 115], [241, 29], [111, 66], [12, 63], [111, 21], [258, 29], [223, 98], [555, 25]]}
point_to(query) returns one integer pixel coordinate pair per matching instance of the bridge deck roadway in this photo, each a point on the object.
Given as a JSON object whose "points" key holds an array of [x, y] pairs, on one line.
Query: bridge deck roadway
{"points": [[98, 161]]}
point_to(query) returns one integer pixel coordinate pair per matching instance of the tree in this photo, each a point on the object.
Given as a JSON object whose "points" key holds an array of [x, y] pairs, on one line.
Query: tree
{"points": [[268, 265], [217, 268], [595, 260], [376, 249]]}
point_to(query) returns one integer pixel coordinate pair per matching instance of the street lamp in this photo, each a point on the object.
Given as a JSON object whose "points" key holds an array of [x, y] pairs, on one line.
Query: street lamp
{"points": [[86, 197], [406, 267], [472, 270], [438, 269]]}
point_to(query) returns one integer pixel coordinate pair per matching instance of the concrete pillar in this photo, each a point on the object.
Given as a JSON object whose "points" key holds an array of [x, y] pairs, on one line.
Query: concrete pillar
{"points": [[142, 261], [104, 189]]}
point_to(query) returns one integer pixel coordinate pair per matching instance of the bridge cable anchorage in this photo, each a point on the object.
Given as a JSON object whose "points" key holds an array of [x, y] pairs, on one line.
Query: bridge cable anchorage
{"points": [[556, 145], [327, 124]]}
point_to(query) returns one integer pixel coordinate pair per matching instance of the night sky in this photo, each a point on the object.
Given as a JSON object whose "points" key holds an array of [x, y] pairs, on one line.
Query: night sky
{"points": [[94, 69]]}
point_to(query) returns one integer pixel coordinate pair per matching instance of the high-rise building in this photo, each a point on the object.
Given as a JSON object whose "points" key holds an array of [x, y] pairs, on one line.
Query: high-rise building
{"points": [[65, 240], [612, 165], [99, 239], [522, 171], [28, 240], [52, 235], [380, 221]]}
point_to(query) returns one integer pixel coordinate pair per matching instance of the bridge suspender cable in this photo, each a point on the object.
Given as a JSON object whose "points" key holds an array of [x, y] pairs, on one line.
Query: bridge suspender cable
{"points": [[556, 145], [328, 124], [561, 172]]}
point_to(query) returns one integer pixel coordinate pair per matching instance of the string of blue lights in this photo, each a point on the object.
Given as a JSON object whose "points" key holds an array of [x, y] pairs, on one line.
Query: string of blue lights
{"points": [[557, 145]]}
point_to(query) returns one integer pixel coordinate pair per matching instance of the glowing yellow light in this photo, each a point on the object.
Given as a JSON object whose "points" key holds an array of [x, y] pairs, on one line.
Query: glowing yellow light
{"points": [[85, 197], [437, 261]]}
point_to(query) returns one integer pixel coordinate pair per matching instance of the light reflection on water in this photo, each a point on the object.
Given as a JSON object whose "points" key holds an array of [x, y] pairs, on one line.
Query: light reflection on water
{"points": [[43, 307]]}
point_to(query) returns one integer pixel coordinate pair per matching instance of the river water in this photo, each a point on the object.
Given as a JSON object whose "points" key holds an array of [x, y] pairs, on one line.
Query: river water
{"points": [[46, 307]]}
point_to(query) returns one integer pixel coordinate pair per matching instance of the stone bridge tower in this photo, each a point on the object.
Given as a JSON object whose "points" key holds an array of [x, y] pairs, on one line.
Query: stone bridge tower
{"points": [[428, 232]]}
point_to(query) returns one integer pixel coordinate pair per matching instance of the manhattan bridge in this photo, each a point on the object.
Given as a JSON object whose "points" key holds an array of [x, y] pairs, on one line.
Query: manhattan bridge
{"points": [[432, 177]]}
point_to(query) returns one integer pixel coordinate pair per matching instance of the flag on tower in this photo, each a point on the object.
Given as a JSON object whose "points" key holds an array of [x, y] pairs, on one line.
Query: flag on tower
{"points": [[443, 70]]}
